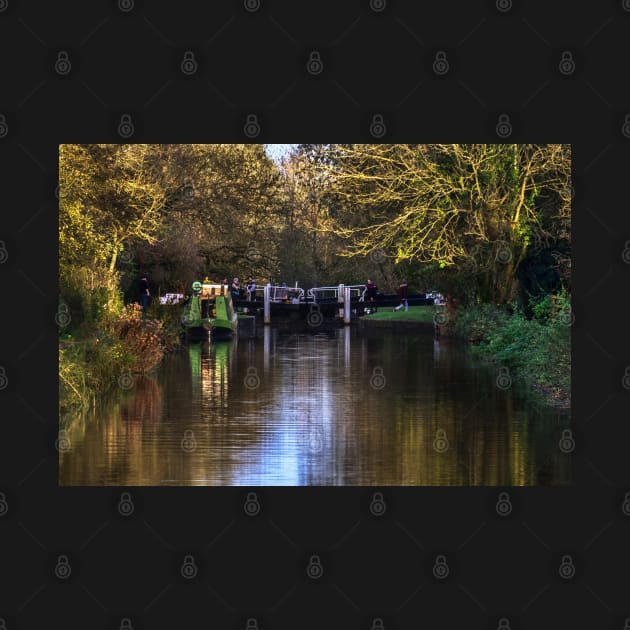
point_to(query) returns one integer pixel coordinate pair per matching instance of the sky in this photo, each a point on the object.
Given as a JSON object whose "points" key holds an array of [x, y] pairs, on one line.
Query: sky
{"points": [[277, 151]]}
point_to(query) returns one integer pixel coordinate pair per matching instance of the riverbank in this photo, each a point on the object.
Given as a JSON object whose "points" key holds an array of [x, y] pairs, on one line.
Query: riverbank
{"points": [[98, 356], [536, 350], [416, 316]]}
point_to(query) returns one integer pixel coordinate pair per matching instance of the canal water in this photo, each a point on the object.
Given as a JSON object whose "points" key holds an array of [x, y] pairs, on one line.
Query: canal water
{"points": [[337, 407]]}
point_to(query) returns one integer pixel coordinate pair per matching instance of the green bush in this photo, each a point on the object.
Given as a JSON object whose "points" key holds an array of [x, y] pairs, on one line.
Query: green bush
{"points": [[477, 322], [536, 350], [118, 346]]}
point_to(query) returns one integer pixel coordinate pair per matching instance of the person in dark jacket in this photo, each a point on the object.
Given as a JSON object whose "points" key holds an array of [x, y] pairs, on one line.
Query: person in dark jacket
{"points": [[236, 289], [370, 294], [250, 288], [143, 293], [402, 296]]}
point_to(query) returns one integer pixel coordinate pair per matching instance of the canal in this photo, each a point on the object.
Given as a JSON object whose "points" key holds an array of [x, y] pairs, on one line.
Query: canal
{"points": [[337, 407]]}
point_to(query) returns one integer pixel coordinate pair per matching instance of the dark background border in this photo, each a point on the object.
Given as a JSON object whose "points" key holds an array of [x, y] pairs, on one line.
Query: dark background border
{"points": [[378, 58]]}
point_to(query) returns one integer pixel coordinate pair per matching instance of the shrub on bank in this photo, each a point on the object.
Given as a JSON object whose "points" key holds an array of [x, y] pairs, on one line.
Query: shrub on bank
{"points": [[119, 346], [476, 322], [537, 350]]}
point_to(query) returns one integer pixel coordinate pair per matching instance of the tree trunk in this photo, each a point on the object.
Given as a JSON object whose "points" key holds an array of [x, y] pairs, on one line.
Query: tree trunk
{"points": [[112, 264]]}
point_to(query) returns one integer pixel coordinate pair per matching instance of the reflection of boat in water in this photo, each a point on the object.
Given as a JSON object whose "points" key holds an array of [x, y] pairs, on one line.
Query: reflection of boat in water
{"points": [[209, 365], [209, 311]]}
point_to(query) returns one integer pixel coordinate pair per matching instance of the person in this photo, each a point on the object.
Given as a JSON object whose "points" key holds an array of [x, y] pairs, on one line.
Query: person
{"points": [[370, 294], [251, 288], [402, 296], [143, 292], [236, 288]]}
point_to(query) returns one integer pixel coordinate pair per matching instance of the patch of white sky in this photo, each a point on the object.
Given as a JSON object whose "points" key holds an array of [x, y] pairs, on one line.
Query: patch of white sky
{"points": [[278, 151]]}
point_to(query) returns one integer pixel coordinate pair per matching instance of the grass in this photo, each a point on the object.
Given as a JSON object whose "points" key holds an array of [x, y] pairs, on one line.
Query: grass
{"points": [[536, 350], [414, 314]]}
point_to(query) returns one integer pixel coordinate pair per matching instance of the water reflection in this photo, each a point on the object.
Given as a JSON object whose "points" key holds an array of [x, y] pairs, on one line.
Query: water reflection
{"points": [[337, 407]]}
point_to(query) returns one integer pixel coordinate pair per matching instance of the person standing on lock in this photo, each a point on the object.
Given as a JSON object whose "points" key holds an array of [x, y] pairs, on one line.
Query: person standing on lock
{"points": [[402, 297], [143, 293], [251, 288], [236, 288], [370, 294]]}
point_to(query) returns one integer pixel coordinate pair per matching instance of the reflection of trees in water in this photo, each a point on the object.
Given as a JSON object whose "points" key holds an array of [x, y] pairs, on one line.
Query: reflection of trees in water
{"points": [[115, 445], [483, 449], [143, 405], [493, 439], [315, 419]]}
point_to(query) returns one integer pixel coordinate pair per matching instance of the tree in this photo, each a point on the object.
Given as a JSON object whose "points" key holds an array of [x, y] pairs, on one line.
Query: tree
{"points": [[474, 211]]}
